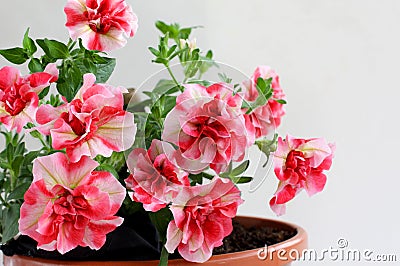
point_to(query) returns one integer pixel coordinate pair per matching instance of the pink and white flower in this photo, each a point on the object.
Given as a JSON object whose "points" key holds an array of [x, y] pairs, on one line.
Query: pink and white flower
{"points": [[93, 123], [19, 95], [208, 127], [264, 119], [69, 204], [299, 164], [202, 218], [155, 180], [101, 24]]}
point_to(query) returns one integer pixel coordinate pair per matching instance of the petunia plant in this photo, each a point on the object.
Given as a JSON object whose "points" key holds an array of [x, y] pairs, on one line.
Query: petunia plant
{"points": [[178, 155]]}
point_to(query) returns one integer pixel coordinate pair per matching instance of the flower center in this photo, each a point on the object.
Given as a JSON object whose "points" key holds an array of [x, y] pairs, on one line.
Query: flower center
{"points": [[76, 125], [67, 204], [13, 102], [166, 169], [295, 162], [98, 22]]}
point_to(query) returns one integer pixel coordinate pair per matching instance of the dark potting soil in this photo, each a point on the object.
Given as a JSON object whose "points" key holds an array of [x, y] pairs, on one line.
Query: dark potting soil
{"points": [[242, 238]]}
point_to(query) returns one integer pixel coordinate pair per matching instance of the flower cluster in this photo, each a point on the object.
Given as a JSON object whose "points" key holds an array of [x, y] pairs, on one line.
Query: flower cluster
{"points": [[179, 155]]}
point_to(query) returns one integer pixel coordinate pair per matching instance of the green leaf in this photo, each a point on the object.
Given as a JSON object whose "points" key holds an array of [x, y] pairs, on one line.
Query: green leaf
{"points": [[154, 51], [28, 44], [56, 49], [204, 83], [242, 179], [198, 178], [30, 156], [10, 152], [281, 101], [165, 86], [69, 81], [15, 140], [108, 168], [185, 33], [162, 26], [4, 165], [19, 149], [15, 55], [261, 85], [139, 106], [35, 65], [224, 78], [159, 60], [169, 104], [161, 220], [105, 70], [18, 192], [44, 92], [171, 50], [90, 66], [17, 164], [10, 222], [267, 146], [36, 134], [240, 169]]}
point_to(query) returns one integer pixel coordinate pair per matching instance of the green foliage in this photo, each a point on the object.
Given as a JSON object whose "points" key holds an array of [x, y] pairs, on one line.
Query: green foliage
{"points": [[35, 65], [191, 58], [72, 62], [267, 146], [265, 92], [161, 101], [28, 44], [112, 164], [15, 55], [15, 178], [198, 178], [161, 220], [235, 174], [174, 30], [80, 62]]}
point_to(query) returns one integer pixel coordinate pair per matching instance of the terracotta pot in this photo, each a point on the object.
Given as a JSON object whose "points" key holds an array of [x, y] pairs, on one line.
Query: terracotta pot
{"points": [[244, 258]]}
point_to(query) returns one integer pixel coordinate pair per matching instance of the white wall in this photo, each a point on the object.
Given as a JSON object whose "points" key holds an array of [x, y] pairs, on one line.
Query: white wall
{"points": [[338, 62]]}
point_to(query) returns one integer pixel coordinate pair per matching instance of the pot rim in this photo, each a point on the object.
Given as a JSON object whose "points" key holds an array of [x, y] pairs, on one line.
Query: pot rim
{"points": [[298, 242]]}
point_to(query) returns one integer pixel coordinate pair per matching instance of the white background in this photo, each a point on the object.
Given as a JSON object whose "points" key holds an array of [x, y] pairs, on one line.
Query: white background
{"points": [[338, 62]]}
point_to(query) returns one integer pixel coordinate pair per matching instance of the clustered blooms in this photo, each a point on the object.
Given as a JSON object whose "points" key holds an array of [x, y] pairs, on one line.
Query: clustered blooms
{"points": [[70, 204]]}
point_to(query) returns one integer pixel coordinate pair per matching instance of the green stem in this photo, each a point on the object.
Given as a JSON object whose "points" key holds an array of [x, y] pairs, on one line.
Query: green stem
{"points": [[42, 141], [173, 77], [163, 257]]}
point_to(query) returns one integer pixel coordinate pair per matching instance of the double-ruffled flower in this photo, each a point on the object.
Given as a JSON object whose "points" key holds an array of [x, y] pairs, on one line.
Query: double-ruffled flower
{"points": [[154, 179], [69, 204], [93, 123], [202, 218], [208, 126], [19, 95], [101, 24], [299, 164]]}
